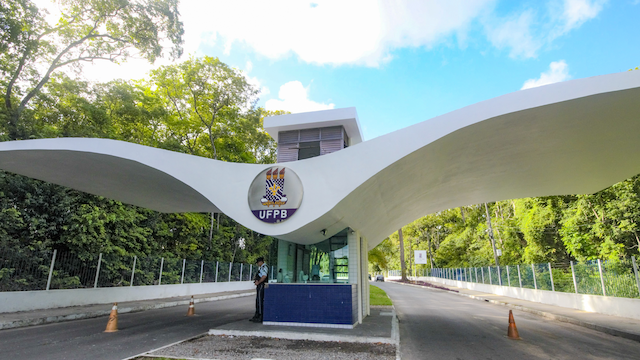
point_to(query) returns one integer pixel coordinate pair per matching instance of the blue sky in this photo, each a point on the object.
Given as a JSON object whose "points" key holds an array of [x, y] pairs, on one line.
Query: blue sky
{"points": [[402, 62]]}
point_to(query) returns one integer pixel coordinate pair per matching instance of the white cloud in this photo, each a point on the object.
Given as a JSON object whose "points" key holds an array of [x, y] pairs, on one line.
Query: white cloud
{"points": [[294, 97], [525, 32], [515, 33], [576, 12], [359, 32], [558, 71]]}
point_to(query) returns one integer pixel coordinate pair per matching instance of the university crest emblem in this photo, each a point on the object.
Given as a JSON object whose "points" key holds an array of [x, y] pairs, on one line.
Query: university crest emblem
{"points": [[273, 200], [274, 187]]}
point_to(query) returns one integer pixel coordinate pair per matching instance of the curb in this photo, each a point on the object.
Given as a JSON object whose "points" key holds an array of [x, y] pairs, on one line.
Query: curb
{"points": [[543, 314], [148, 353], [306, 336], [121, 310]]}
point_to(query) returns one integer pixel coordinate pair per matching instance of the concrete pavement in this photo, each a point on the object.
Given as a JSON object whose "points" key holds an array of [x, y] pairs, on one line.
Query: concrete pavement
{"points": [[438, 324], [47, 316], [138, 332], [613, 325]]}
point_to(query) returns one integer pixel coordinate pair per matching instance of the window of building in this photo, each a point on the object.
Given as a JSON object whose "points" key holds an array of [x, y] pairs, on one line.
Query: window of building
{"points": [[324, 262], [308, 150]]}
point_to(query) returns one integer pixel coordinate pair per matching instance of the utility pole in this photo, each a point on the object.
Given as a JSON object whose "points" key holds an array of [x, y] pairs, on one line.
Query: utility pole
{"points": [[493, 242]]}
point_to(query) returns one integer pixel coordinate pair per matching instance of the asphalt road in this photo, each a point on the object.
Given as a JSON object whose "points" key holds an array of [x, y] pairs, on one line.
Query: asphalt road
{"points": [[139, 332], [441, 325]]}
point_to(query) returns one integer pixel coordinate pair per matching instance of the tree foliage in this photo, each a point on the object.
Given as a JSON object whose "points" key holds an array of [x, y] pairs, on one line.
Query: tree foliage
{"points": [[556, 229], [200, 106], [88, 30]]}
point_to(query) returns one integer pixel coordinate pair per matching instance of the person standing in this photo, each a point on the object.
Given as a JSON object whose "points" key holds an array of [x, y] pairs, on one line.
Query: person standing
{"points": [[259, 280]]}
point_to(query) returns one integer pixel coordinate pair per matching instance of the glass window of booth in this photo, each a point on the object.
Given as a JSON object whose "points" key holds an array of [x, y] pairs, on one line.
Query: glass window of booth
{"points": [[324, 262]]}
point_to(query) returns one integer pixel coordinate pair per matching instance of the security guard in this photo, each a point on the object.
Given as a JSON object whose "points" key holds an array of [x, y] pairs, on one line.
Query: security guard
{"points": [[259, 280]]}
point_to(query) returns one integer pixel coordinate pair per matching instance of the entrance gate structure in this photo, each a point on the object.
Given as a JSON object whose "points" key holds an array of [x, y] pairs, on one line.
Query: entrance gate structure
{"points": [[327, 211]]}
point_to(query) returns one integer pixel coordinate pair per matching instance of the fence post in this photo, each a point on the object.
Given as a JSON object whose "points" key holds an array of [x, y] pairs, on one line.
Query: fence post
{"points": [[490, 280], [508, 277], [184, 262], [161, 265], [635, 270], [482, 272], [553, 288], [604, 292], [499, 276], [216, 271], [241, 271], [230, 265], [53, 261], [519, 278], [95, 283], [133, 269], [573, 275], [201, 270], [250, 272]]}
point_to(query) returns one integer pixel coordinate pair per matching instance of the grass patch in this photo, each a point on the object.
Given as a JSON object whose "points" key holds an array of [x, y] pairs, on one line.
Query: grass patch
{"points": [[378, 296]]}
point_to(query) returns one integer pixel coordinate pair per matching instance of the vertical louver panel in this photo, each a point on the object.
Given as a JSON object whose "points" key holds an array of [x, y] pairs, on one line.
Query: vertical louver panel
{"points": [[330, 133], [287, 152], [329, 146], [288, 137], [309, 135]]}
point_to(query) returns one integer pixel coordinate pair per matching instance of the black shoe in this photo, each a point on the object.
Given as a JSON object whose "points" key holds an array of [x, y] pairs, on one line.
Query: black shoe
{"points": [[253, 318], [257, 320]]}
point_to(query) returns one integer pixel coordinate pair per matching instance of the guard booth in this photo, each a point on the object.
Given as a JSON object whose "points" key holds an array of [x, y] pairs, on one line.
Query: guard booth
{"points": [[324, 284]]}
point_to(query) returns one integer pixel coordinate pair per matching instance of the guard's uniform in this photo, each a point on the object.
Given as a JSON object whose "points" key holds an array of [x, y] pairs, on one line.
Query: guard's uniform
{"points": [[262, 271]]}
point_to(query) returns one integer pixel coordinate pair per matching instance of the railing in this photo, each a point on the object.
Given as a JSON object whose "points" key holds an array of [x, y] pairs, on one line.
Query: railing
{"points": [[45, 270], [617, 278]]}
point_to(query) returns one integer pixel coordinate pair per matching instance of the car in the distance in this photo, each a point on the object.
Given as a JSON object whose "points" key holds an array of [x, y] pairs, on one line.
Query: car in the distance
{"points": [[379, 277]]}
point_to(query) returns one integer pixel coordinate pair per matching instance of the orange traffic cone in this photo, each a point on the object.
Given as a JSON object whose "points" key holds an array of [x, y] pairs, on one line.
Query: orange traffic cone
{"points": [[112, 325], [512, 332], [192, 308]]}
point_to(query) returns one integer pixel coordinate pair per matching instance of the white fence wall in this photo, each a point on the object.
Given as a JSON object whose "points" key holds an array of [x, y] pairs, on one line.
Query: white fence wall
{"points": [[609, 305], [14, 301]]}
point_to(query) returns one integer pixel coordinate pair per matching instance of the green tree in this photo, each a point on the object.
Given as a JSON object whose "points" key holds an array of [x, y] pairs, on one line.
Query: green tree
{"points": [[88, 30], [206, 95]]}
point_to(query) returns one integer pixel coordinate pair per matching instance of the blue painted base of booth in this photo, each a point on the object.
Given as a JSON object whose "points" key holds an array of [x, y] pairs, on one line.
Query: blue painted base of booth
{"points": [[315, 305]]}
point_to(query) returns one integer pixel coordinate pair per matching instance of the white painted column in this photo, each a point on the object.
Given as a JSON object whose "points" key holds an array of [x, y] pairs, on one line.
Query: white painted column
{"points": [[367, 296], [355, 269]]}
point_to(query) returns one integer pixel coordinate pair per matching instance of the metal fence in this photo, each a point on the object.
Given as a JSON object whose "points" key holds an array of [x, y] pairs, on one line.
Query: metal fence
{"points": [[45, 270], [617, 278]]}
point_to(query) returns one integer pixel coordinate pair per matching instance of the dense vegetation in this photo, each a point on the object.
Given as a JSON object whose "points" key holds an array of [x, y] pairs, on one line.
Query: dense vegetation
{"points": [[556, 229], [198, 106]]}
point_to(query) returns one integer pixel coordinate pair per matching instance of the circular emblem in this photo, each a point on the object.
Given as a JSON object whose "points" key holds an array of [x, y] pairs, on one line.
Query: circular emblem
{"points": [[275, 194]]}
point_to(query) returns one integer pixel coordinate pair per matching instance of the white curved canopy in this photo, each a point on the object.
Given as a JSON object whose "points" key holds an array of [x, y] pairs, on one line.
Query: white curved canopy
{"points": [[573, 137]]}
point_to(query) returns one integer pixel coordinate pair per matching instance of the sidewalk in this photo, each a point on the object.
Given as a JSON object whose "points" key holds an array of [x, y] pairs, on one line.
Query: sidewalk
{"points": [[619, 326], [377, 334], [46, 316], [379, 327]]}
